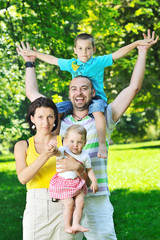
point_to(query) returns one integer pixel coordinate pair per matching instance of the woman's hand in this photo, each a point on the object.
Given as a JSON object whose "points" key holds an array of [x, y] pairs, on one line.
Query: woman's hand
{"points": [[51, 149]]}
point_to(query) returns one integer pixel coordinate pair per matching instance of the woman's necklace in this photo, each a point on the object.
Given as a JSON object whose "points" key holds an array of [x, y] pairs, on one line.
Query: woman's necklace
{"points": [[80, 118]]}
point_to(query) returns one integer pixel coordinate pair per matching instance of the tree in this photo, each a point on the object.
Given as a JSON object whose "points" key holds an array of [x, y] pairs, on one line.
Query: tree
{"points": [[51, 26]]}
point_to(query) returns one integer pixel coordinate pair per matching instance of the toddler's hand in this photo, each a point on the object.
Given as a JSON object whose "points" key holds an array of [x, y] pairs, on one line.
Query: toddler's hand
{"points": [[94, 187], [51, 148], [52, 143]]}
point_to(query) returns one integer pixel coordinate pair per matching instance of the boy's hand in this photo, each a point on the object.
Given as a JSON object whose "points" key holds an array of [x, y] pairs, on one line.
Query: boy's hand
{"points": [[147, 39], [28, 52], [22, 48], [151, 41]]}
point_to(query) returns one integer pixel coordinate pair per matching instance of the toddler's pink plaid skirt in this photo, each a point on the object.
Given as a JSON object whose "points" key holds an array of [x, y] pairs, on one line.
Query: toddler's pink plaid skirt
{"points": [[61, 188]]}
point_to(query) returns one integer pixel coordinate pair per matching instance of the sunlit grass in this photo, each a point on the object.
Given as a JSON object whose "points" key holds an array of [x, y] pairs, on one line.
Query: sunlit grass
{"points": [[134, 182], [134, 166]]}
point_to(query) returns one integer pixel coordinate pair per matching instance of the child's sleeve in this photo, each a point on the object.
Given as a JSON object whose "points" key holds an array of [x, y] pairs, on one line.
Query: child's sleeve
{"points": [[64, 64], [105, 60], [62, 149], [87, 161]]}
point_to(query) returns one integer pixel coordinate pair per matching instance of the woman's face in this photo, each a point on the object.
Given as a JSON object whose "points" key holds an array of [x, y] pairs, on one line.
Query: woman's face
{"points": [[44, 119]]}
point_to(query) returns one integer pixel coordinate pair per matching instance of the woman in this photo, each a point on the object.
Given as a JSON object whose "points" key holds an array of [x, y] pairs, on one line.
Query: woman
{"points": [[35, 166]]}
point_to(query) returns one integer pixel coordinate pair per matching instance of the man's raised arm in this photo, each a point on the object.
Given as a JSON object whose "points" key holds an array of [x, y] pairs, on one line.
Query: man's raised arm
{"points": [[125, 97], [31, 86]]}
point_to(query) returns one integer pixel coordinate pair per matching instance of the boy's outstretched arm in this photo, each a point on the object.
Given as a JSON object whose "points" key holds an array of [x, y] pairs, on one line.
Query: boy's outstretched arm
{"points": [[126, 49], [125, 97], [31, 86], [44, 57]]}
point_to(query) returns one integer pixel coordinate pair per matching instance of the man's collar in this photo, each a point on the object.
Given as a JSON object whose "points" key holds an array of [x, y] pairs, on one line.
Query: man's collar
{"points": [[89, 62]]}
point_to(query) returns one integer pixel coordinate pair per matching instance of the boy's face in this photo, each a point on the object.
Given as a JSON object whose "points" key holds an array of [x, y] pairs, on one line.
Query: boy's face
{"points": [[84, 50]]}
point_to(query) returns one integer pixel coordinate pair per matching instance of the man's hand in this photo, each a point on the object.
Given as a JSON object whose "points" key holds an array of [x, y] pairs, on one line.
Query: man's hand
{"points": [[68, 164], [21, 49]]}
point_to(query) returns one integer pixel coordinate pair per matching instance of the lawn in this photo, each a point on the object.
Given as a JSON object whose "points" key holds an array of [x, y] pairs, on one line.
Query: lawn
{"points": [[134, 182]]}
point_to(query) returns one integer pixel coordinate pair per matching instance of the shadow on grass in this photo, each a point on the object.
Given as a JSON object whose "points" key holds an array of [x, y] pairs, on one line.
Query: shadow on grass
{"points": [[135, 148], [12, 203], [6, 159], [136, 214]]}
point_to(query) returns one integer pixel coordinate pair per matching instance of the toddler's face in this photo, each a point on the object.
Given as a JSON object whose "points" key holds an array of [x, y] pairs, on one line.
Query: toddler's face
{"points": [[75, 142], [84, 50]]}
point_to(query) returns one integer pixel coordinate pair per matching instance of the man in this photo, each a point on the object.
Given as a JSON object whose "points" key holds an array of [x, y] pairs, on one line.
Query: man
{"points": [[98, 211]]}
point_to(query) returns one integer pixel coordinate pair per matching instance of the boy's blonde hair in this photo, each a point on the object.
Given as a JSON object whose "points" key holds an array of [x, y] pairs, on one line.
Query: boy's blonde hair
{"points": [[78, 129], [84, 36]]}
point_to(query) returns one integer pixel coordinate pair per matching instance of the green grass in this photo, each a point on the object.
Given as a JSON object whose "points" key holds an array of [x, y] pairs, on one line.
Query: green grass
{"points": [[134, 182], [12, 200]]}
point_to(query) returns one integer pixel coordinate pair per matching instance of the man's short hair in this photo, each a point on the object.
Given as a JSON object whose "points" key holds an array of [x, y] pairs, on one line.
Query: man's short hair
{"points": [[84, 36], [80, 76]]}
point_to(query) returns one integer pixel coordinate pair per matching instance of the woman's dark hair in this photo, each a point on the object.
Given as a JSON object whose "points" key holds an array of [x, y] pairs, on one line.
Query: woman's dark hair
{"points": [[41, 102]]}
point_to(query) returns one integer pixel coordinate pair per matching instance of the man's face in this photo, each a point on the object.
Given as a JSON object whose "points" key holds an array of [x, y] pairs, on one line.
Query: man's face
{"points": [[80, 93]]}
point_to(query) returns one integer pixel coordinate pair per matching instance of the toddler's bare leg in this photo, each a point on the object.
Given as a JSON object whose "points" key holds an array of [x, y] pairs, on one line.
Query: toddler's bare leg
{"points": [[68, 213], [79, 205], [101, 129]]}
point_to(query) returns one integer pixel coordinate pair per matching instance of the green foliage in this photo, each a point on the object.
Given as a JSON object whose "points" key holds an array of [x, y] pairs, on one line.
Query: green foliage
{"points": [[51, 26], [131, 126]]}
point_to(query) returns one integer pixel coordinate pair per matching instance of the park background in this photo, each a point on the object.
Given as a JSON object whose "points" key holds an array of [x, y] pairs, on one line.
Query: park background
{"points": [[51, 26]]}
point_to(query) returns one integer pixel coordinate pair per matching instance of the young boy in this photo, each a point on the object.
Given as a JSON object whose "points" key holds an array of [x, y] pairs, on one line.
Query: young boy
{"points": [[92, 68]]}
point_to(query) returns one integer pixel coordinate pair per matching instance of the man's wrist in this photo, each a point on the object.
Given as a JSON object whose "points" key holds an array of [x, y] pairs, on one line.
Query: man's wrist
{"points": [[142, 51], [30, 64]]}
